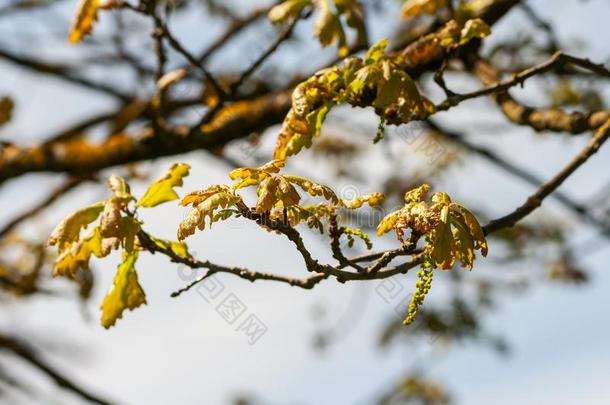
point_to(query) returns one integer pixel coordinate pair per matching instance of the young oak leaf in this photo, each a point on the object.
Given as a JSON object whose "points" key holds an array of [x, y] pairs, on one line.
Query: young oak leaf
{"points": [[388, 222], [120, 188], [372, 199], [125, 293], [314, 189], [354, 17], [377, 81], [276, 191], [475, 28], [287, 10], [197, 197], [470, 223], [451, 231], [254, 175], [77, 257], [296, 214], [443, 249], [162, 190], [206, 208], [68, 230], [86, 15], [328, 29], [414, 8], [417, 194], [178, 248], [129, 231], [110, 222]]}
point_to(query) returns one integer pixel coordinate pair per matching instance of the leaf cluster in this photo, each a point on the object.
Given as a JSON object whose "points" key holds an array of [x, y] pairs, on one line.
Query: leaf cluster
{"points": [[332, 18], [116, 227], [278, 199]]}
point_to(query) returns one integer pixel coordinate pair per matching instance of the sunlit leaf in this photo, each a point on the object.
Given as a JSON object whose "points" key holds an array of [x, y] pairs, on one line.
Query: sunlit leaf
{"points": [[86, 15], [178, 248], [417, 194], [388, 222], [129, 230], [473, 226], [443, 242], [313, 188], [376, 52], [205, 208], [276, 191], [68, 230], [451, 231], [125, 293], [413, 8], [77, 257], [254, 175], [465, 243], [162, 190], [475, 28], [110, 222], [287, 10], [328, 29], [197, 197], [372, 199]]}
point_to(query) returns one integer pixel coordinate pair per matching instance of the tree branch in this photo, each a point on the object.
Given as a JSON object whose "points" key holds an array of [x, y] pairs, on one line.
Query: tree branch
{"points": [[554, 119], [29, 355], [535, 200]]}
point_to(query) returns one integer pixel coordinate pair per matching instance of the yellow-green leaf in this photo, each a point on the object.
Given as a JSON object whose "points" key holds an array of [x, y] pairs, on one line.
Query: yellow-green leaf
{"points": [[376, 52], [86, 15], [68, 230], [276, 191], [196, 217], [254, 175], [313, 188], [417, 194], [474, 227], [287, 10], [179, 248], [443, 242], [372, 199], [120, 188], [162, 190], [125, 293], [465, 244], [110, 222], [197, 197], [77, 257], [129, 230], [475, 28], [413, 8], [328, 28], [388, 222]]}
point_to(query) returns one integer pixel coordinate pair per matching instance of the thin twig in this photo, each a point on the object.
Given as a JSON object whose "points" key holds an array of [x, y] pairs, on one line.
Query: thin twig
{"points": [[535, 200], [518, 79]]}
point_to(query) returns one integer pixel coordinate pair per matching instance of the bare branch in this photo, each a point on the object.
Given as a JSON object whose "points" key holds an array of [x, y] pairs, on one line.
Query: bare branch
{"points": [[535, 200], [28, 354], [554, 119]]}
